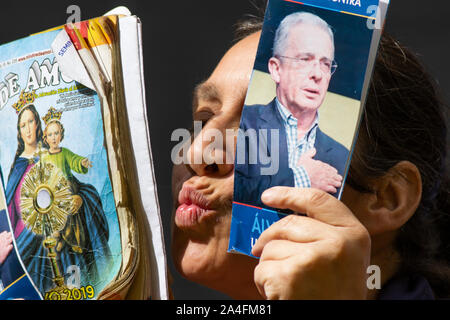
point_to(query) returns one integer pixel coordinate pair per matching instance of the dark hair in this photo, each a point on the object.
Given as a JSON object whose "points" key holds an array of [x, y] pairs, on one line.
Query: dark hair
{"points": [[44, 139], [404, 119], [20, 143], [251, 23]]}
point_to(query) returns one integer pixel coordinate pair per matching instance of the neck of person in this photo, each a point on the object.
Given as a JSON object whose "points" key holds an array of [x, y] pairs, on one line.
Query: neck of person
{"points": [[55, 150], [305, 118], [385, 257], [29, 150]]}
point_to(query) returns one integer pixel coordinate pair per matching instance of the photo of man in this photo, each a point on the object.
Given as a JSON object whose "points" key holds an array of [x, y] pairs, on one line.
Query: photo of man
{"points": [[301, 67]]}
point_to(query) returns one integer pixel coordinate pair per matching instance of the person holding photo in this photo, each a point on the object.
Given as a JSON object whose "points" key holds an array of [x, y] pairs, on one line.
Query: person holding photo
{"points": [[394, 211]]}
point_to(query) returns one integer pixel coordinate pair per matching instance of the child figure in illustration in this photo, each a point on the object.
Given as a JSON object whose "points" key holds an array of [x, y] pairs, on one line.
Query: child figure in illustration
{"points": [[66, 161], [86, 233], [61, 157]]}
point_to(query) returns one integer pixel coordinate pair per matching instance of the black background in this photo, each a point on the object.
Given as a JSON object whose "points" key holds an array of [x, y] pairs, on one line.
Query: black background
{"points": [[184, 40]]}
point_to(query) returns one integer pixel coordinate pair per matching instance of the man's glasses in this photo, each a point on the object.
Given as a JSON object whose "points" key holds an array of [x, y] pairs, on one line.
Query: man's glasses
{"points": [[306, 62]]}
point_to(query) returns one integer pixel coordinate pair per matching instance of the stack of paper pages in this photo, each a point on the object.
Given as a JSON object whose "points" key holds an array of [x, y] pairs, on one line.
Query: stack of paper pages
{"points": [[79, 213]]}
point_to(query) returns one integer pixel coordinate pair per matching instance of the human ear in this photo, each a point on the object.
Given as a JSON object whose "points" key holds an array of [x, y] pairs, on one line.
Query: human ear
{"points": [[395, 199], [274, 67]]}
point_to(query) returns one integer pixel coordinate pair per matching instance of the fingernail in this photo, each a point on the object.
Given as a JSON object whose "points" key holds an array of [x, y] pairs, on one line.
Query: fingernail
{"points": [[255, 250], [267, 195]]}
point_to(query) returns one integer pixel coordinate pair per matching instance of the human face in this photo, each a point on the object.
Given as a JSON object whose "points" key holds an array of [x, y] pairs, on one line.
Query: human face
{"points": [[203, 193], [28, 127], [53, 136], [303, 89]]}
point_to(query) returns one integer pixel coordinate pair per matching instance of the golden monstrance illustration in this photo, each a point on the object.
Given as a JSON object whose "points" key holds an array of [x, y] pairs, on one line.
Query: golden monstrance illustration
{"points": [[46, 202]]}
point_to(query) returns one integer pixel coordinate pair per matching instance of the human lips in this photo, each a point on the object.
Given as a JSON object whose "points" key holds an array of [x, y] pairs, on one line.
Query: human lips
{"points": [[193, 206], [312, 91], [29, 138]]}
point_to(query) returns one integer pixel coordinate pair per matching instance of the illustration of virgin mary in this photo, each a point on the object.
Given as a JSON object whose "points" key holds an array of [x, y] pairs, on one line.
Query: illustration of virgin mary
{"points": [[82, 244]]}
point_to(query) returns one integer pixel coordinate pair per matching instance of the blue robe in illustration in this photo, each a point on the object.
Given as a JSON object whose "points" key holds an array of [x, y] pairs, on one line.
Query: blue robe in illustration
{"points": [[14, 280], [90, 218], [10, 269]]}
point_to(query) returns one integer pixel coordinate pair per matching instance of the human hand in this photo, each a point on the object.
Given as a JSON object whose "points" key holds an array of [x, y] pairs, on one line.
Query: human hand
{"points": [[86, 163], [5, 245], [323, 255], [322, 175], [76, 204]]}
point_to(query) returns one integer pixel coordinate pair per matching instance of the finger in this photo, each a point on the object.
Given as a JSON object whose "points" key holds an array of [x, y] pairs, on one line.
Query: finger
{"points": [[336, 184], [337, 177], [273, 278], [314, 203], [5, 236], [292, 228], [330, 189], [281, 250], [332, 170], [264, 272], [309, 154], [325, 167]]}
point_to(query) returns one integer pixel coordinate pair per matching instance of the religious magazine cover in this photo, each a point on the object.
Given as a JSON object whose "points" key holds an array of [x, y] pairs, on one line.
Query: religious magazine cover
{"points": [[303, 106], [73, 206]]}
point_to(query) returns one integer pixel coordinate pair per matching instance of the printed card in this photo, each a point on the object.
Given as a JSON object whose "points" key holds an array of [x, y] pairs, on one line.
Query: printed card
{"points": [[303, 105]]}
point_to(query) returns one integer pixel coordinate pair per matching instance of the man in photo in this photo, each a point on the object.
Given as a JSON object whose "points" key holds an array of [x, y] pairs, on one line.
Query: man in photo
{"points": [[301, 67]]}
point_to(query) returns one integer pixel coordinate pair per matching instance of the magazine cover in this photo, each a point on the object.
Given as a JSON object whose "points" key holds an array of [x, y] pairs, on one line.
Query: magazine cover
{"points": [[303, 105], [59, 199]]}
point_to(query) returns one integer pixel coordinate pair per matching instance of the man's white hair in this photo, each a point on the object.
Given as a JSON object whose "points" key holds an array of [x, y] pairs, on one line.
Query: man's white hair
{"points": [[290, 21]]}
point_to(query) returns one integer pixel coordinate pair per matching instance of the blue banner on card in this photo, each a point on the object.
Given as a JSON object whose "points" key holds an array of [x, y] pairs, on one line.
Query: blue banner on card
{"points": [[247, 224]]}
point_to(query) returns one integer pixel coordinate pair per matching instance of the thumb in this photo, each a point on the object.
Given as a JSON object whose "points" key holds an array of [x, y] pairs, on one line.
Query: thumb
{"points": [[314, 203], [311, 152], [308, 154]]}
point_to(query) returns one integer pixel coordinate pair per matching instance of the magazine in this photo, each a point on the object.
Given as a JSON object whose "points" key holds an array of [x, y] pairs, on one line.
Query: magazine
{"points": [[74, 205], [303, 106]]}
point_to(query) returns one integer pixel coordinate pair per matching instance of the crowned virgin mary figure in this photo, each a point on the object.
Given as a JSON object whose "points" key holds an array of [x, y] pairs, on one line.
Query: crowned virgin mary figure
{"points": [[73, 217]]}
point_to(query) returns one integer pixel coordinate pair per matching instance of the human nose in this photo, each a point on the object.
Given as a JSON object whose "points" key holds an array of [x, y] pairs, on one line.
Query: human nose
{"points": [[316, 71], [211, 153]]}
